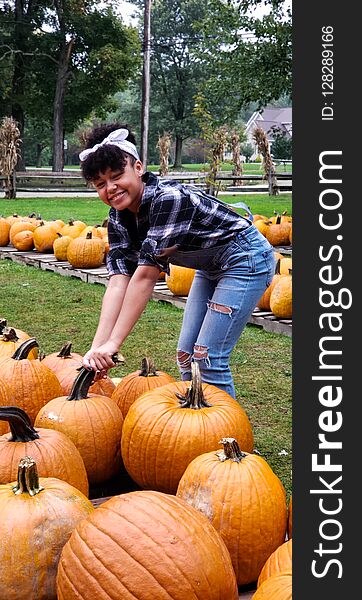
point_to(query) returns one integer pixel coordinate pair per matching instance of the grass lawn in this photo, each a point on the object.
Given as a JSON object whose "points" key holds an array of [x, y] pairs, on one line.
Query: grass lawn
{"points": [[91, 210], [55, 309]]}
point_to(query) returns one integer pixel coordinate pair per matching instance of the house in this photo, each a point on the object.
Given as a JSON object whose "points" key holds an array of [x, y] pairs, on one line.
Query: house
{"points": [[267, 118]]}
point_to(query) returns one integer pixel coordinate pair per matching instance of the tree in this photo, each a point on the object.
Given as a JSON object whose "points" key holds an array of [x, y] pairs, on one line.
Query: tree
{"points": [[250, 57], [75, 56], [282, 144]]}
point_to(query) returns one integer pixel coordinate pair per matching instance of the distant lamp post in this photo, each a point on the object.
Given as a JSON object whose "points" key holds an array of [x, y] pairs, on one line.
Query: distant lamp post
{"points": [[145, 81]]}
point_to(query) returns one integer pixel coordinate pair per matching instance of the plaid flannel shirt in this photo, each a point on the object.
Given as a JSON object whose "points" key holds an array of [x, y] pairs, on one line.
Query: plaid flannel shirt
{"points": [[170, 214]]}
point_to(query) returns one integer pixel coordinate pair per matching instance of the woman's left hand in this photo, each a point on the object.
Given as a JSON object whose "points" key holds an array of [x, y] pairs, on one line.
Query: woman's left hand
{"points": [[100, 359]]}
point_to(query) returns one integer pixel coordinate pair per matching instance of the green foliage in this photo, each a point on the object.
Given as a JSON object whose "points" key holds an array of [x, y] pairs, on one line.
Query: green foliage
{"points": [[282, 144], [250, 58]]}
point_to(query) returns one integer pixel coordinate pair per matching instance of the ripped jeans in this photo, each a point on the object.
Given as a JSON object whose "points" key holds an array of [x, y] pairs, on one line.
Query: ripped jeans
{"points": [[219, 304]]}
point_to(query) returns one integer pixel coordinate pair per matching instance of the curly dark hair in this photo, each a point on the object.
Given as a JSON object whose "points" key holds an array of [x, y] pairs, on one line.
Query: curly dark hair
{"points": [[108, 156]]}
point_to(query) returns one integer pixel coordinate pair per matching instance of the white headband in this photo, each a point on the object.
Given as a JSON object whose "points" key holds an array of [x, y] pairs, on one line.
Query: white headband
{"points": [[116, 138]]}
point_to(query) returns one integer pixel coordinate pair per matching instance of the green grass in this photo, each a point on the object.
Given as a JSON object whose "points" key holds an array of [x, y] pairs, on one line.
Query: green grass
{"points": [[92, 210], [248, 168], [55, 309]]}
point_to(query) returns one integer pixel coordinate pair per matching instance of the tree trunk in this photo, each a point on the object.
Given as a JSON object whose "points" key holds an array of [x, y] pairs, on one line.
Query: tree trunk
{"points": [[39, 149], [58, 114], [178, 152], [20, 44]]}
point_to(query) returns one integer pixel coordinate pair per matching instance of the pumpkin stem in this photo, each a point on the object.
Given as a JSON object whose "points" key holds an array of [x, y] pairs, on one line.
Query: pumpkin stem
{"points": [[81, 384], [89, 235], [277, 267], [278, 220], [28, 479], [147, 368], [230, 451], [8, 334], [65, 351], [194, 397], [23, 350], [20, 424]]}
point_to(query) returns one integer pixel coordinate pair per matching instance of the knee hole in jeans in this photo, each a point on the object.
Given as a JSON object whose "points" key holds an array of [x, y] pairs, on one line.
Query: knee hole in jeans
{"points": [[184, 359], [227, 310]]}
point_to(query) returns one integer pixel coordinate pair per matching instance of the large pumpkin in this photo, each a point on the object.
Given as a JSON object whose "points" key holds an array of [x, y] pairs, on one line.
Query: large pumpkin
{"points": [[37, 519], [73, 228], [31, 383], [277, 587], [244, 500], [86, 252], [166, 428], [179, 280], [277, 233], [54, 452], [135, 384], [264, 301], [145, 545], [44, 236], [280, 560], [60, 246], [56, 361], [93, 423], [4, 232]]}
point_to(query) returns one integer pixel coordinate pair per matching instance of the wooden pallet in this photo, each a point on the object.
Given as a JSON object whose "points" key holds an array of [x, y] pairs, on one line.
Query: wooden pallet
{"points": [[161, 293]]}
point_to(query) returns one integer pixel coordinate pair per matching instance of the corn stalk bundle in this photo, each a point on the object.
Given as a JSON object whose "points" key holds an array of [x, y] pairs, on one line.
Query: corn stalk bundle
{"points": [[9, 152], [219, 140], [163, 145], [262, 143]]}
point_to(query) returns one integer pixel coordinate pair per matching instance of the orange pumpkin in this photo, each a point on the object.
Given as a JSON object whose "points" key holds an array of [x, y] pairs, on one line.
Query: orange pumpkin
{"points": [[277, 587], [68, 372], [44, 236], [11, 338], [60, 246], [24, 240], [31, 383], [4, 232], [277, 233], [37, 519], [86, 252], [93, 229], [166, 428], [54, 453], [150, 544], [286, 264], [56, 361], [73, 228], [135, 384], [281, 299], [94, 424], [279, 561], [244, 500], [179, 280], [18, 226]]}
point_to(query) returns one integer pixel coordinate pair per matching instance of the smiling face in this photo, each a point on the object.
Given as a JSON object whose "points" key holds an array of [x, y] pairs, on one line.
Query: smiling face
{"points": [[119, 189]]}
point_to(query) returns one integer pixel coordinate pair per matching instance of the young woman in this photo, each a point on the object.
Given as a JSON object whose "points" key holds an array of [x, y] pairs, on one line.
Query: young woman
{"points": [[153, 222]]}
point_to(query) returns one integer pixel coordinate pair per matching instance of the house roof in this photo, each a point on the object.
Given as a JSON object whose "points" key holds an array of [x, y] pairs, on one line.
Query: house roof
{"points": [[271, 117]]}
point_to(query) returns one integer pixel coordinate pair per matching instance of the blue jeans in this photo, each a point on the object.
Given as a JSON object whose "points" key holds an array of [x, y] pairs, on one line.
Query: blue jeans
{"points": [[219, 305]]}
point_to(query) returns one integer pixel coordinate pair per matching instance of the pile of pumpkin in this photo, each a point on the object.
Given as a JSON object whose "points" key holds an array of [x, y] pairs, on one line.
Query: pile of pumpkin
{"points": [[204, 521], [83, 246], [277, 229]]}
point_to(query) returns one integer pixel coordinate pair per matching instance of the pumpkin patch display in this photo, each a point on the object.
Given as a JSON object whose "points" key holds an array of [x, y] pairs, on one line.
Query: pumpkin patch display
{"points": [[19, 226], [37, 519], [145, 545], [278, 562], [86, 252], [135, 384], [166, 428], [277, 587], [179, 280], [244, 500], [94, 424], [31, 383], [264, 301], [53, 452]]}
